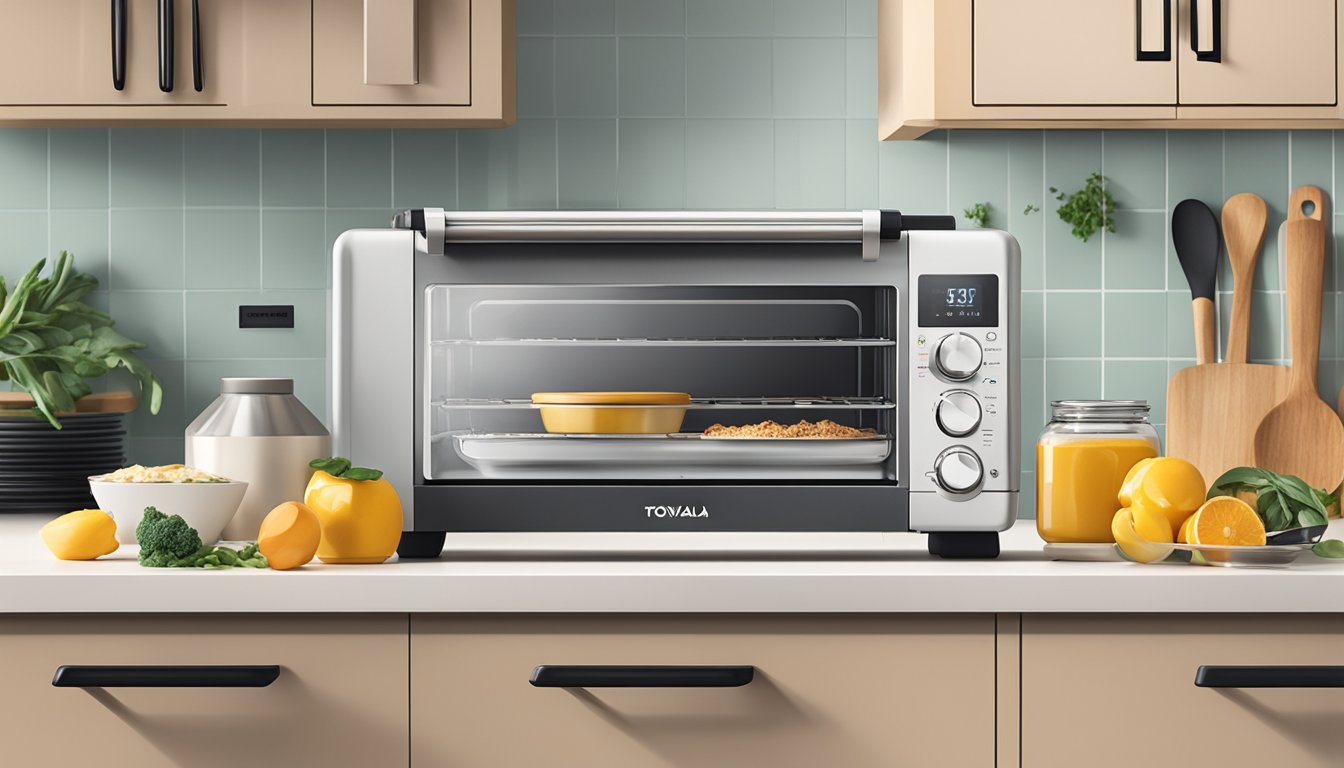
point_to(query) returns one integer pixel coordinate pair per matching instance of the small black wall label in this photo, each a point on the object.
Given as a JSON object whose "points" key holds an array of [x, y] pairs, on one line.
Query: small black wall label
{"points": [[266, 316]]}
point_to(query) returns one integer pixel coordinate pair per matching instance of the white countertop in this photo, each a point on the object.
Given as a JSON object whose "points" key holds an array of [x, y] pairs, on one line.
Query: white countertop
{"points": [[532, 576]]}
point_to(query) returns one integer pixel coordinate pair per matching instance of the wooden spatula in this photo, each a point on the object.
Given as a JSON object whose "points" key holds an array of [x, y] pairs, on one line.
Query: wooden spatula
{"points": [[1213, 411], [1194, 232], [1302, 435]]}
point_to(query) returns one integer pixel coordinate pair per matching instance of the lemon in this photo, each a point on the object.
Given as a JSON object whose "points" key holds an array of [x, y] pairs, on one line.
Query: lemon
{"points": [[81, 535], [1132, 528], [1131, 482], [1171, 486]]}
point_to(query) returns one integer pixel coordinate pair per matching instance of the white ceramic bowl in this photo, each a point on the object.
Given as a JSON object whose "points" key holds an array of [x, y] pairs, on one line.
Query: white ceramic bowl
{"points": [[207, 507]]}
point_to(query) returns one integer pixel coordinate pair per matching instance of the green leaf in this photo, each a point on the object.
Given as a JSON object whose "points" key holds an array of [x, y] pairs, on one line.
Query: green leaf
{"points": [[362, 473], [334, 465], [1332, 548]]}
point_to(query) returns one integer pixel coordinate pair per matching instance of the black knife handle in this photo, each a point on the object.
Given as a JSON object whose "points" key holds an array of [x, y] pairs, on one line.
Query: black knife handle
{"points": [[622, 676], [119, 44], [166, 46], [1209, 676], [135, 676], [197, 77]]}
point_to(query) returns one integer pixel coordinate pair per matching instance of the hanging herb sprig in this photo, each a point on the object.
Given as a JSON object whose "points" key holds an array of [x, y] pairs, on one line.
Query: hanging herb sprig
{"points": [[1088, 209], [977, 214]]}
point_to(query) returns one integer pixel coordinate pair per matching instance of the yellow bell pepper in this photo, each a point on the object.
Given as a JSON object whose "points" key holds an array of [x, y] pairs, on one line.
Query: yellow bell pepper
{"points": [[361, 519], [81, 535]]}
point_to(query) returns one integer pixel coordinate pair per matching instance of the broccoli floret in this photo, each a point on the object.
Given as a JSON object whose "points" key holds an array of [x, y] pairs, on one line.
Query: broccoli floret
{"points": [[165, 540]]}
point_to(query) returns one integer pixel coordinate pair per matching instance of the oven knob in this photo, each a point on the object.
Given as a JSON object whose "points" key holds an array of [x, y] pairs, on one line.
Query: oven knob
{"points": [[958, 413], [957, 357], [958, 470]]}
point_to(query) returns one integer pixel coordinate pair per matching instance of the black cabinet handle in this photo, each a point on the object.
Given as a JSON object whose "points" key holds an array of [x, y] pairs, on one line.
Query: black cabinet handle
{"points": [[1216, 52], [135, 676], [197, 76], [166, 39], [1269, 677], [119, 44], [619, 676], [1139, 53]]}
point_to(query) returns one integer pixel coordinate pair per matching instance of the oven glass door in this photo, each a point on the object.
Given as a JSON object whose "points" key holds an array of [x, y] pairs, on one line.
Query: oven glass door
{"points": [[769, 356]]}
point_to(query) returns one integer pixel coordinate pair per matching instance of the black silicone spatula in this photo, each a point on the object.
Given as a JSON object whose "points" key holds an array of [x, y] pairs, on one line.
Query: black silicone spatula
{"points": [[1194, 230]]}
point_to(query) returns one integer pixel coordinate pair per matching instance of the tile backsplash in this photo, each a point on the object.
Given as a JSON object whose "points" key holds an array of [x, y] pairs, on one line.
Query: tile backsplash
{"points": [[643, 104]]}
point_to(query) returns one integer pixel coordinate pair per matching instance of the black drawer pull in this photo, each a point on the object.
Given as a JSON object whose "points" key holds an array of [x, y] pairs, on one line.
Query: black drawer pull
{"points": [[1160, 55], [136, 676], [621, 676], [1269, 677], [1215, 53]]}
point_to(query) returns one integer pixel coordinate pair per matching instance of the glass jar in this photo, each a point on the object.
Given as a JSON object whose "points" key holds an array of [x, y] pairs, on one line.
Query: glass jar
{"points": [[1082, 457]]}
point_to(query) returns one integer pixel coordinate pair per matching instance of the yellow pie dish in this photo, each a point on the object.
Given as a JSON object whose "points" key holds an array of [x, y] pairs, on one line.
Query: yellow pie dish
{"points": [[612, 413]]}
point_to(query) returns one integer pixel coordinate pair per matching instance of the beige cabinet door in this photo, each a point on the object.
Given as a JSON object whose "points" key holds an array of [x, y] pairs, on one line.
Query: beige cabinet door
{"points": [[1260, 52], [1067, 52], [340, 697], [1120, 691], [403, 52], [59, 52], [853, 692]]}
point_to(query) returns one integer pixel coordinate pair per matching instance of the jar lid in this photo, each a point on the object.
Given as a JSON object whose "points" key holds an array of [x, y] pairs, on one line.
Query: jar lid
{"points": [[1099, 410], [256, 386]]}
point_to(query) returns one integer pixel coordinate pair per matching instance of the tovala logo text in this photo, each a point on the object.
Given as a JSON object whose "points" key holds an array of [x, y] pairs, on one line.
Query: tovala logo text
{"points": [[677, 511]]}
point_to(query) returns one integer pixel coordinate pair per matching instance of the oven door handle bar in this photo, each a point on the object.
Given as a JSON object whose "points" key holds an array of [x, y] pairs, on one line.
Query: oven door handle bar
{"points": [[435, 227]]}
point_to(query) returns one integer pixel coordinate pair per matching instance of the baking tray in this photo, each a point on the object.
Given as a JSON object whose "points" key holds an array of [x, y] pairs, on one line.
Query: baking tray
{"points": [[670, 457]]}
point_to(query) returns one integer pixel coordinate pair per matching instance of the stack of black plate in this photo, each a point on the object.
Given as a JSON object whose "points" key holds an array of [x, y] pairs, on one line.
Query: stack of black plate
{"points": [[43, 469]]}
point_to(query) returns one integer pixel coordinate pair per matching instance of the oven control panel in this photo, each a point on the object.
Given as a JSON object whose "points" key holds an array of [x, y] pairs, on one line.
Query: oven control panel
{"points": [[964, 447]]}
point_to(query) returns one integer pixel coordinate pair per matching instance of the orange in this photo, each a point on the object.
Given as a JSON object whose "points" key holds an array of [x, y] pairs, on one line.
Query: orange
{"points": [[1226, 520], [289, 536], [1184, 536]]}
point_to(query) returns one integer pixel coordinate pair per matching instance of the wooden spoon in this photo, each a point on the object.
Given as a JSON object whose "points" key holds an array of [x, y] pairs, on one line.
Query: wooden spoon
{"points": [[1303, 436], [1194, 232], [1244, 219]]}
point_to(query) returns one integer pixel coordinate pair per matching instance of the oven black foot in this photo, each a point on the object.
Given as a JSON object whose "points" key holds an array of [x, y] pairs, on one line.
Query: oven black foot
{"points": [[420, 545], [964, 544]]}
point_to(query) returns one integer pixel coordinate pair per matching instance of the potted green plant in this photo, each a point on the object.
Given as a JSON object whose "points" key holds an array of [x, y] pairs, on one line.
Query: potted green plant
{"points": [[52, 343]]}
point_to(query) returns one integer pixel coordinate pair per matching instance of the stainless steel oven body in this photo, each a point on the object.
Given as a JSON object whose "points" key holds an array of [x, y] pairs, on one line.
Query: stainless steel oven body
{"points": [[444, 325]]}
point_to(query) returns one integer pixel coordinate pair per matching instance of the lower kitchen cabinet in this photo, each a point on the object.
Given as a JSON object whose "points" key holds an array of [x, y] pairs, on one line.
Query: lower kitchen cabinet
{"points": [[340, 696], [1120, 691], [827, 691]]}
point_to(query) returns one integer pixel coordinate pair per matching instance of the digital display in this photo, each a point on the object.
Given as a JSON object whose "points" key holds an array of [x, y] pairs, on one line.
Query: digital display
{"points": [[958, 300]]}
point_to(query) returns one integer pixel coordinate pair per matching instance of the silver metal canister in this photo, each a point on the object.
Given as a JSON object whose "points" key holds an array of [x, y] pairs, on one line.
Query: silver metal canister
{"points": [[257, 431]]}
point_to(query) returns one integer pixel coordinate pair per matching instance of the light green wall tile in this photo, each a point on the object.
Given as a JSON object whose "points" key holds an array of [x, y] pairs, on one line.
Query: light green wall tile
{"points": [[1070, 157], [728, 77], [294, 252], [79, 168], [587, 172], [861, 18], [24, 235], [653, 76], [512, 167], [729, 164], [84, 234], [171, 420], [1136, 255], [154, 317], [978, 173], [1026, 187], [650, 17], [1136, 168], [585, 76], [912, 175], [359, 168], [1139, 380], [805, 74], [810, 163], [1257, 161], [535, 17], [1268, 331], [146, 250], [23, 168], [585, 17], [293, 168], [212, 324], [1072, 380], [1195, 167], [1035, 409], [1026, 498], [1312, 160], [155, 451], [536, 77], [146, 167], [1136, 324], [222, 166], [1033, 324], [223, 248], [424, 168], [1073, 324], [802, 18], [1180, 325], [861, 78], [652, 163], [860, 164], [716, 17], [309, 375]]}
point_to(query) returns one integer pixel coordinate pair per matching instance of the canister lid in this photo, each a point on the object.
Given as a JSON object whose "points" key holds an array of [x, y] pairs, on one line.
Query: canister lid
{"points": [[257, 386]]}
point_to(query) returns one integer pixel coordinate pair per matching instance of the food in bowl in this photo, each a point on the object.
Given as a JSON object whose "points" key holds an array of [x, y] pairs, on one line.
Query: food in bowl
{"points": [[168, 473], [606, 413], [824, 429], [207, 502]]}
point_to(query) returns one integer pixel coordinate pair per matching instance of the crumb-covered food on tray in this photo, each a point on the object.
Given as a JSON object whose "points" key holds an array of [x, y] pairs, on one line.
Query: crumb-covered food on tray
{"points": [[824, 429]]}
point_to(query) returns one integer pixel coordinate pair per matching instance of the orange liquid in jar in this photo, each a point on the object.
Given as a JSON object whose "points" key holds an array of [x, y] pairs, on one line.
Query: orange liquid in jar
{"points": [[1077, 479]]}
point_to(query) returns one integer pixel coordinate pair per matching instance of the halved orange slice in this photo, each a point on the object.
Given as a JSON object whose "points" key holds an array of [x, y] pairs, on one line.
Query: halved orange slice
{"points": [[1226, 520]]}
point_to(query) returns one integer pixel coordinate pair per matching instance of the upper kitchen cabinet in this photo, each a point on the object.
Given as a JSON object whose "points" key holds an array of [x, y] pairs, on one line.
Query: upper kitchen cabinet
{"points": [[1107, 64], [262, 62]]}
